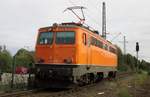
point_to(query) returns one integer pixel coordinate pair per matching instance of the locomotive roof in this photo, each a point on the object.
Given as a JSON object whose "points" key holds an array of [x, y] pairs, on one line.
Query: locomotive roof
{"points": [[78, 25]]}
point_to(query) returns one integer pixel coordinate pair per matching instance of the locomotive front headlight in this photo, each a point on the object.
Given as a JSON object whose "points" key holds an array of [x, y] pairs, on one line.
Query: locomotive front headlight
{"points": [[68, 60], [40, 60]]}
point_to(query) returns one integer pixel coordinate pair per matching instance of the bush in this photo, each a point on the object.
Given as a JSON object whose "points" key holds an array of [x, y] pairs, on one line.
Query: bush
{"points": [[123, 68], [148, 72]]}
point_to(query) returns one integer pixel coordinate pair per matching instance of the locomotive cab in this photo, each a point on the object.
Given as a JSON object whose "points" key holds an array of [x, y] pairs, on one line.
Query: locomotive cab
{"points": [[52, 45], [56, 53]]}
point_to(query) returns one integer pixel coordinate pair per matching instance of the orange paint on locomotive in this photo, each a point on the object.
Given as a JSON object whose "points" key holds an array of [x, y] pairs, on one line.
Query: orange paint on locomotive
{"points": [[81, 52]]}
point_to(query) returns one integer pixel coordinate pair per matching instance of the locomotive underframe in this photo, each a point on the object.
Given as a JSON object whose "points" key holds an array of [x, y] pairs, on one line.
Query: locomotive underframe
{"points": [[60, 75]]}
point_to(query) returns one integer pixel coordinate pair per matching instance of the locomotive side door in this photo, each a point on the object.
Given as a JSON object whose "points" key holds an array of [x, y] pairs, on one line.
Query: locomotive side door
{"points": [[87, 42], [88, 51]]}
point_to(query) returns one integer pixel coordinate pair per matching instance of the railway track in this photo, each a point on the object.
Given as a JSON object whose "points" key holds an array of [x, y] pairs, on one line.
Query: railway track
{"points": [[19, 93], [60, 93], [14, 94], [124, 74]]}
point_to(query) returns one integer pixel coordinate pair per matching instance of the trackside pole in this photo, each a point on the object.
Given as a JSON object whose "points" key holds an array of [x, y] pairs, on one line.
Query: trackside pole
{"points": [[13, 72], [136, 68]]}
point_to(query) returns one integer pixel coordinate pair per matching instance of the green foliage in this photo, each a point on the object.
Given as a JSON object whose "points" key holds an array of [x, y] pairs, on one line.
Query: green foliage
{"points": [[5, 61], [123, 68], [128, 62], [140, 78], [123, 92], [121, 65], [144, 66], [120, 56], [24, 58], [149, 73]]}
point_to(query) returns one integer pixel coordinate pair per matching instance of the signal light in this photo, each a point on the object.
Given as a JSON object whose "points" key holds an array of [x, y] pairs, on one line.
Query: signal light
{"points": [[137, 46]]}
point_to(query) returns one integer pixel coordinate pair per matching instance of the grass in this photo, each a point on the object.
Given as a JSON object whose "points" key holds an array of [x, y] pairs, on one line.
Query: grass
{"points": [[7, 88], [138, 80], [122, 89], [124, 92]]}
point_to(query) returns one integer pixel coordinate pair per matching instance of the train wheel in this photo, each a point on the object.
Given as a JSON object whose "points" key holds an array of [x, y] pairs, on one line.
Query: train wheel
{"points": [[81, 81], [92, 78], [84, 80], [100, 76], [112, 75]]}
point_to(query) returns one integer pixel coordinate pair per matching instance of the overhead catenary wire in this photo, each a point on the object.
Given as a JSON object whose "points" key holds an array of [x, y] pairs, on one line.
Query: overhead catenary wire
{"points": [[115, 37], [92, 19], [93, 12]]}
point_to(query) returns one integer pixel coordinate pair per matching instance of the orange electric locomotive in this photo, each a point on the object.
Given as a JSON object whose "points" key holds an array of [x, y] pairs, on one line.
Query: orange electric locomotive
{"points": [[70, 52]]}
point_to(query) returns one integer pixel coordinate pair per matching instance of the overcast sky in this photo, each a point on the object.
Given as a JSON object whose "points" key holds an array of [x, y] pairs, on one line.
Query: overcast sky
{"points": [[20, 20]]}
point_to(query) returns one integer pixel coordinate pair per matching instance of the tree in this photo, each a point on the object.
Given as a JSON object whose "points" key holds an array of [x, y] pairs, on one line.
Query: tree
{"points": [[24, 58], [120, 56], [144, 65], [130, 61], [5, 61], [121, 66]]}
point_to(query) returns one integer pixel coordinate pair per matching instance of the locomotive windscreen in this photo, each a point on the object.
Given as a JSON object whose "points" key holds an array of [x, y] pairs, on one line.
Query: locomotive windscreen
{"points": [[45, 38], [65, 37]]}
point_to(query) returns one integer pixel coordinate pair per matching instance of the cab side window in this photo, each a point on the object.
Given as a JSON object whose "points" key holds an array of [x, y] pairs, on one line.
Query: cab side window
{"points": [[84, 39]]}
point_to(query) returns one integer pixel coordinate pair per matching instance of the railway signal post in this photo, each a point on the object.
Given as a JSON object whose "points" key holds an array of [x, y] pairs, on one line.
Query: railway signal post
{"points": [[136, 68], [137, 54]]}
